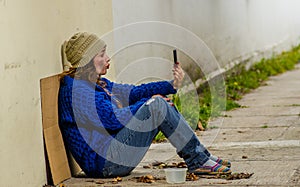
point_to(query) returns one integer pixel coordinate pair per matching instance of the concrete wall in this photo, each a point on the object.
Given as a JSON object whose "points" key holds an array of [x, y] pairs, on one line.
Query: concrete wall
{"points": [[234, 31], [31, 34]]}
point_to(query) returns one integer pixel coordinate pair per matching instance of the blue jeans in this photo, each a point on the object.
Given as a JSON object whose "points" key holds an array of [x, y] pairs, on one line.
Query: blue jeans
{"points": [[132, 142]]}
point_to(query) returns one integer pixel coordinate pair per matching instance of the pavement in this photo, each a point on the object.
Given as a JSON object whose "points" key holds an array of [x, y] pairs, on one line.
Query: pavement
{"points": [[262, 138]]}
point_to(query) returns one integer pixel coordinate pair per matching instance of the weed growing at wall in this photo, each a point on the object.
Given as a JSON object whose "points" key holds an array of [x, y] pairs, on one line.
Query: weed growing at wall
{"points": [[240, 81]]}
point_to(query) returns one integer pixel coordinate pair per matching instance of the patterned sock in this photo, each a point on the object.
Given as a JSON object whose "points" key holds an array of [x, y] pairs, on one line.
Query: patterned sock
{"points": [[210, 163], [220, 161], [221, 169], [215, 167]]}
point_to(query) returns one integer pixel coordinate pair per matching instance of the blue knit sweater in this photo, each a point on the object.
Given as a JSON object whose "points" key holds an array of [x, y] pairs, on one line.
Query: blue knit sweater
{"points": [[89, 117]]}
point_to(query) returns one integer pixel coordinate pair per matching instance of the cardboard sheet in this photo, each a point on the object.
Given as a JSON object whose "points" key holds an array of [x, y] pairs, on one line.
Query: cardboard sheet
{"points": [[55, 148]]}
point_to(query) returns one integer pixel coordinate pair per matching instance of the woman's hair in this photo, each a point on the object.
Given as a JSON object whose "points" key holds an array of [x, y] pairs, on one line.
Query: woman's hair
{"points": [[87, 72]]}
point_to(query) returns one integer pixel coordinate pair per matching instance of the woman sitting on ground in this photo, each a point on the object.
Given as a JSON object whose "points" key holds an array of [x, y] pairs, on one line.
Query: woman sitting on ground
{"points": [[108, 127]]}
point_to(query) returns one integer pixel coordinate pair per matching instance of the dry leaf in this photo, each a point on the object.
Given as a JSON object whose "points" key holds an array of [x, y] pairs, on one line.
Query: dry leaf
{"points": [[147, 166], [181, 165], [157, 163], [200, 126], [146, 179], [99, 182], [235, 176], [192, 177], [114, 181]]}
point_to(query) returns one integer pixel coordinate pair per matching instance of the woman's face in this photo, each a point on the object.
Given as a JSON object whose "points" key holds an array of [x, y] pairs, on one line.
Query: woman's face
{"points": [[101, 62]]}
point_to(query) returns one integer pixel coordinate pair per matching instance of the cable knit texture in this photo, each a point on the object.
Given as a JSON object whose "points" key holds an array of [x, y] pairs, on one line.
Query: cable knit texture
{"points": [[89, 118]]}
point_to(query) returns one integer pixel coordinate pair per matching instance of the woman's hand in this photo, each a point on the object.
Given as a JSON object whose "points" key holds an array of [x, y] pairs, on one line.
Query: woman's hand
{"points": [[165, 98], [178, 75]]}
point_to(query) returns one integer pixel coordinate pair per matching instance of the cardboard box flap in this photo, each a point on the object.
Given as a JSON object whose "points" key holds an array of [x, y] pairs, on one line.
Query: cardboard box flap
{"points": [[55, 148], [58, 160]]}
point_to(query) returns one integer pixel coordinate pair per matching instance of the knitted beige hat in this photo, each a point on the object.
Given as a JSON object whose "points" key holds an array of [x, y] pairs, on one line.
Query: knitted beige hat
{"points": [[80, 49]]}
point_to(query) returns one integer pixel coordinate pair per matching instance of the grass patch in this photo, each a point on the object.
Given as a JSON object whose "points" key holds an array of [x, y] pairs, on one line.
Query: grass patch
{"points": [[264, 127], [292, 105], [240, 81], [160, 137], [213, 127]]}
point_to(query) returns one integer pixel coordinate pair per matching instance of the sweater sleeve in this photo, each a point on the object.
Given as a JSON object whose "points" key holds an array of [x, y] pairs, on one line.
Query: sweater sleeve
{"points": [[150, 89], [130, 94]]}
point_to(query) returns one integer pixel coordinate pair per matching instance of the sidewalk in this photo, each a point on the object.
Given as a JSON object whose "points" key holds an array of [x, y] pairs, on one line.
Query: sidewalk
{"points": [[261, 138]]}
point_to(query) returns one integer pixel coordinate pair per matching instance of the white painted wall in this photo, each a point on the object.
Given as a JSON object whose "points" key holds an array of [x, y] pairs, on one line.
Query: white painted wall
{"points": [[31, 34], [234, 30]]}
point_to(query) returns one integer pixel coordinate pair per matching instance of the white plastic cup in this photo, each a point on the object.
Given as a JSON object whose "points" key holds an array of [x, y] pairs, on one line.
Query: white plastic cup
{"points": [[175, 175]]}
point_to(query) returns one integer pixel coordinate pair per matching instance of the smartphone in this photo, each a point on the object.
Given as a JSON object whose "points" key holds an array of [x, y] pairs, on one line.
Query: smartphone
{"points": [[175, 56]]}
